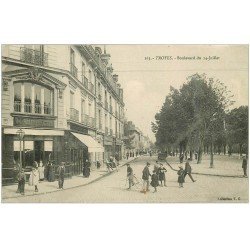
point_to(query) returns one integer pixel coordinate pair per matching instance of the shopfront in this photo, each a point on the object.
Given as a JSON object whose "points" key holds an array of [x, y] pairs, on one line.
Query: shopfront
{"points": [[36, 145]]}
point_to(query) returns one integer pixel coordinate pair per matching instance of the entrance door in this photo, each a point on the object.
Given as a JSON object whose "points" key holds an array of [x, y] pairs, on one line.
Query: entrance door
{"points": [[38, 150]]}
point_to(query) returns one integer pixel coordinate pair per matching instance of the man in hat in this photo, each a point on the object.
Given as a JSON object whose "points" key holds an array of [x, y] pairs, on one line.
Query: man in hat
{"points": [[145, 178], [188, 171], [61, 172], [130, 176]]}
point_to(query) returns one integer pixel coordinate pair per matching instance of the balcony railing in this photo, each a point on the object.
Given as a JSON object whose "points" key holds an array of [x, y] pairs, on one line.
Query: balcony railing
{"points": [[74, 114], [33, 56], [85, 119], [106, 105], [73, 70], [92, 122], [17, 106], [86, 83]]}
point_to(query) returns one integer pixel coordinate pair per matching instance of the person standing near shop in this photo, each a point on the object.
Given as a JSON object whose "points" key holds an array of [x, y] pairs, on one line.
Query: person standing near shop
{"points": [[86, 169], [61, 173], [41, 171], [34, 176], [154, 181]]}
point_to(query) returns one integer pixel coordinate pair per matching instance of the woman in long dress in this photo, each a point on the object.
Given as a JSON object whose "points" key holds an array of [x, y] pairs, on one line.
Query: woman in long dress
{"points": [[34, 176]]}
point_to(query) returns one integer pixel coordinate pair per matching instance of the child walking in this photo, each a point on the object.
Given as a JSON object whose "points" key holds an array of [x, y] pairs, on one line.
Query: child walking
{"points": [[180, 177], [154, 181]]}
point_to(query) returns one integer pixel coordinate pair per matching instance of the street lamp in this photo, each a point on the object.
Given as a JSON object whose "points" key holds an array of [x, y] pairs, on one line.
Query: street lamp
{"points": [[20, 134]]}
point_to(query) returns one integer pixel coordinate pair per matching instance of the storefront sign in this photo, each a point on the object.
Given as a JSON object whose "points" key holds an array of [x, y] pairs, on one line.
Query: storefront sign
{"points": [[33, 122]]}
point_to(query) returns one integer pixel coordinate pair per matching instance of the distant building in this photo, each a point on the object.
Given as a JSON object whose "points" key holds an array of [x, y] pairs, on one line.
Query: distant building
{"points": [[66, 100], [134, 139]]}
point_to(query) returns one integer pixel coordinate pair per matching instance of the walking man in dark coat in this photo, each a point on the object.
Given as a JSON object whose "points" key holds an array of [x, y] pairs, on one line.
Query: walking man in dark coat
{"points": [[244, 166], [188, 171], [145, 178], [61, 172]]}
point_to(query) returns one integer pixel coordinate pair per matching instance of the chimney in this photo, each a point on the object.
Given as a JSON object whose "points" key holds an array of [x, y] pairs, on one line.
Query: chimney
{"points": [[115, 77]]}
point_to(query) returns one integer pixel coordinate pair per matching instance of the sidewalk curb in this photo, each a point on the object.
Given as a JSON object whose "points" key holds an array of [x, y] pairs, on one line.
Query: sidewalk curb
{"points": [[82, 185], [214, 175]]}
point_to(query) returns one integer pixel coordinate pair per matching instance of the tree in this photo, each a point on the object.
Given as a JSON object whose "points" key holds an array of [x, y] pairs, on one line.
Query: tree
{"points": [[193, 115], [237, 128]]}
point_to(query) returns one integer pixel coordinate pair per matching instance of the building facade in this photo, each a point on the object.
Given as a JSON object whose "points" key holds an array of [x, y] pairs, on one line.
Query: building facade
{"points": [[66, 100], [135, 141]]}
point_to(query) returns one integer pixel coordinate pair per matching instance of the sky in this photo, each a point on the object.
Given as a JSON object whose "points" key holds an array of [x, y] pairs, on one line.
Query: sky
{"points": [[147, 71]]}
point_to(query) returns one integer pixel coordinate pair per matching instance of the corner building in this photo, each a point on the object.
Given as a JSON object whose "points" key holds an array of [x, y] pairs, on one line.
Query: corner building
{"points": [[66, 100]]}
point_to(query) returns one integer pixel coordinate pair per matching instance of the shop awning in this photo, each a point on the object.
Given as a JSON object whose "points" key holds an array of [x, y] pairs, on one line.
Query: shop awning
{"points": [[42, 132], [91, 143]]}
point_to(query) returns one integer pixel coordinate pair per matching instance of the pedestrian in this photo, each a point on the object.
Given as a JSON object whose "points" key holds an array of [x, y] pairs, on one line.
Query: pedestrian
{"points": [[130, 176], [98, 165], [180, 176], [145, 178], [162, 177], [21, 181], [86, 169], [51, 175], [127, 155], [188, 171], [154, 181], [244, 166], [41, 171], [34, 176], [181, 158], [117, 158], [61, 173]]}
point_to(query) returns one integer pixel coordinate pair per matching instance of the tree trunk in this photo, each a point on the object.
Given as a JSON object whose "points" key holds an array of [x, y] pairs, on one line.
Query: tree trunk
{"points": [[224, 149], [191, 155], [199, 155], [211, 155]]}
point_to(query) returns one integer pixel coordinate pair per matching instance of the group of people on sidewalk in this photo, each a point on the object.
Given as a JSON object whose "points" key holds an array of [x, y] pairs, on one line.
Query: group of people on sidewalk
{"points": [[36, 176], [158, 177]]}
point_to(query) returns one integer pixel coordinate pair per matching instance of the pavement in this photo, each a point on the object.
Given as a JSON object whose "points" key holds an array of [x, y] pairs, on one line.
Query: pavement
{"points": [[46, 187], [224, 166]]}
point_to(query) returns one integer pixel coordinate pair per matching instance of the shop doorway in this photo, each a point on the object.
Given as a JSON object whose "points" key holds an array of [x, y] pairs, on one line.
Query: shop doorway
{"points": [[39, 151]]}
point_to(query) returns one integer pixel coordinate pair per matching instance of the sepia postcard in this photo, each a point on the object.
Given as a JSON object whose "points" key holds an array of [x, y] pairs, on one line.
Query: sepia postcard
{"points": [[124, 123]]}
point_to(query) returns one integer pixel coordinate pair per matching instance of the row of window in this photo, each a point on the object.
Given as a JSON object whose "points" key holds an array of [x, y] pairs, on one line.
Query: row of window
{"points": [[32, 98]]}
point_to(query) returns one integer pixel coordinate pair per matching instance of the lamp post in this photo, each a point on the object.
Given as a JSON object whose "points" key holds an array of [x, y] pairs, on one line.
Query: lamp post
{"points": [[20, 134]]}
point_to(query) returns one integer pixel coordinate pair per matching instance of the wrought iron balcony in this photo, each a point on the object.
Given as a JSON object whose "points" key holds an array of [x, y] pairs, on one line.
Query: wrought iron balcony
{"points": [[91, 122], [73, 70], [74, 114], [32, 56]]}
